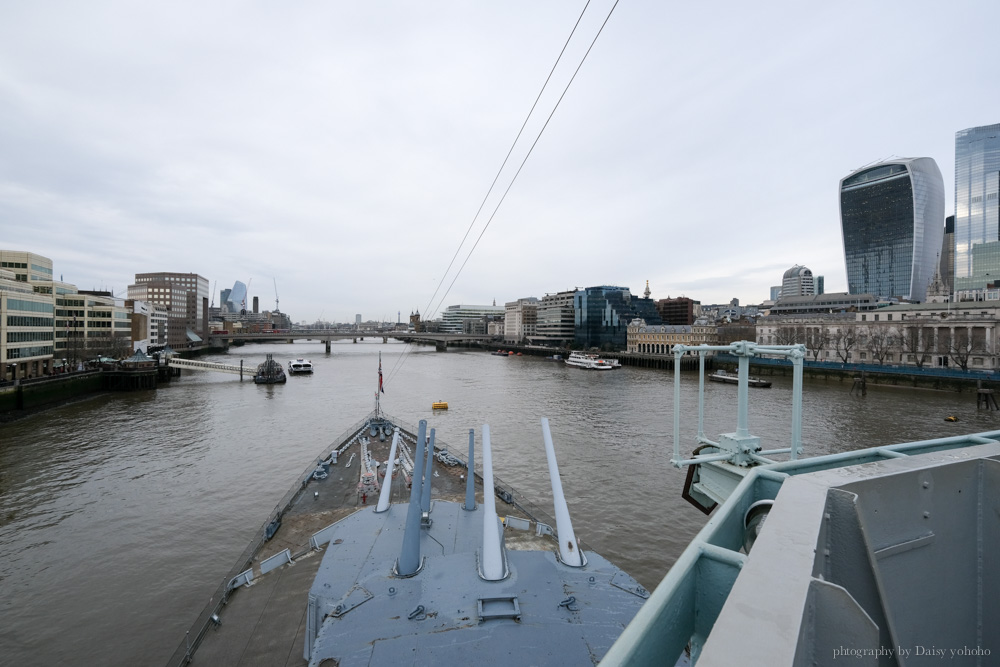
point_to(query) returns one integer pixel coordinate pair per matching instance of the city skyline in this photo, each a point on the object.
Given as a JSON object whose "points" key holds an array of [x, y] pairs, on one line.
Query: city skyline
{"points": [[342, 151]]}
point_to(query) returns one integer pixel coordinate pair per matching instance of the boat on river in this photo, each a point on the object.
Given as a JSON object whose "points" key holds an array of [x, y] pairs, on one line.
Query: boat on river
{"points": [[300, 366], [729, 378], [269, 372], [810, 560], [803, 557], [591, 362], [385, 572]]}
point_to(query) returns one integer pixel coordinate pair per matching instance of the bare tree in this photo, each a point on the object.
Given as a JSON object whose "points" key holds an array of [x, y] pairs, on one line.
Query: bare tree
{"points": [[919, 341], [817, 338], [789, 335], [962, 347], [844, 340], [880, 341], [731, 333], [113, 346]]}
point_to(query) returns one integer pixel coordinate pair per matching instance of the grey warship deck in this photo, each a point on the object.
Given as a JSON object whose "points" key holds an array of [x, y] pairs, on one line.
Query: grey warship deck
{"points": [[265, 623], [446, 613]]}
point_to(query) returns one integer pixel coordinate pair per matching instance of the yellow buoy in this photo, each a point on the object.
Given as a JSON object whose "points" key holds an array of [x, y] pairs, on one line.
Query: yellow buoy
{"points": [[439, 405]]}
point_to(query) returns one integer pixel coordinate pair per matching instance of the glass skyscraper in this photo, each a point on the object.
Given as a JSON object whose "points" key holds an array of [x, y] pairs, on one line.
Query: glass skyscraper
{"points": [[892, 218], [601, 315], [977, 207]]}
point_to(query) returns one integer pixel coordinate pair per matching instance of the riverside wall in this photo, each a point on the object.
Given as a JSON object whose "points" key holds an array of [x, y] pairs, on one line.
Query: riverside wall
{"points": [[892, 376], [26, 397], [29, 396]]}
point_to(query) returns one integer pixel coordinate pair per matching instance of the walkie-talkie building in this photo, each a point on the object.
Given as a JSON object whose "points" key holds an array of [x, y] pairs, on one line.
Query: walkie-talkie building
{"points": [[892, 217]]}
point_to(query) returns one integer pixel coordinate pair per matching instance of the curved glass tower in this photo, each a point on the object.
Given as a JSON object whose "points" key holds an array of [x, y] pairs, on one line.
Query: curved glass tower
{"points": [[892, 217]]}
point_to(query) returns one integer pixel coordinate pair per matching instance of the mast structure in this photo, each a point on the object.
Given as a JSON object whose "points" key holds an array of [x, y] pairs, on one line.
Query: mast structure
{"points": [[379, 391]]}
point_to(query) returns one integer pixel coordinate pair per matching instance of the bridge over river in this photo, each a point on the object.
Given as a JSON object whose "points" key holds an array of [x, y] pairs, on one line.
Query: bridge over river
{"points": [[439, 340]]}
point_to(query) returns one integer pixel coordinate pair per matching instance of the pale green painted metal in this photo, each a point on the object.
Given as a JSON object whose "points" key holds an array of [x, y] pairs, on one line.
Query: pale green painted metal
{"points": [[739, 446], [677, 613]]}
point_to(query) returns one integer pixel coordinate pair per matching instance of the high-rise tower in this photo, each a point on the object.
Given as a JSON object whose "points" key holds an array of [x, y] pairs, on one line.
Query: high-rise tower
{"points": [[977, 207], [797, 281], [892, 218]]}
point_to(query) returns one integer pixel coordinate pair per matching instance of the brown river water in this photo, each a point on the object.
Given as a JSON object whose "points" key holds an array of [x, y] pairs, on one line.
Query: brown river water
{"points": [[119, 515]]}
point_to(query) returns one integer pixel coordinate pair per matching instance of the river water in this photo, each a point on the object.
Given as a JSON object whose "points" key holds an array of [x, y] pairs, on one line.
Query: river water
{"points": [[120, 515]]}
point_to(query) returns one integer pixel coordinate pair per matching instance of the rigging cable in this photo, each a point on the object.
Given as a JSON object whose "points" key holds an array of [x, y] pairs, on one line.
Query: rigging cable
{"points": [[427, 312], [402, 357], [509, 186], [506, 158]]}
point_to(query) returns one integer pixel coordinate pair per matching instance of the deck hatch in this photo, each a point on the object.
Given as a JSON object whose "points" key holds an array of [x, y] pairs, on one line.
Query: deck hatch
{"points": [[499, 607]]}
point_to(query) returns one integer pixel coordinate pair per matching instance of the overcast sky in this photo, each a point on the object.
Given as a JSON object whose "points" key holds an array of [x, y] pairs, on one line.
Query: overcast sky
{"points": [[343, 149]]}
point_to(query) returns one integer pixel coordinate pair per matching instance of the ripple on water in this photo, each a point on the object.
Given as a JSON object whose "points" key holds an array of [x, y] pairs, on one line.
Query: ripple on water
{"points": [[143, 502]]}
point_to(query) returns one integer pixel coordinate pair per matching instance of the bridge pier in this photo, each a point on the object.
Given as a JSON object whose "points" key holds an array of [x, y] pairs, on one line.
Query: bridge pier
{"points": [[328, 346], [441, 346], [355, 341], [385, 339]]}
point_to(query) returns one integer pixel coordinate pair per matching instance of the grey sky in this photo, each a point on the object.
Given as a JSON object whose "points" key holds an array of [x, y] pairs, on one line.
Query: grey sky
{"points": [[344, 148]]}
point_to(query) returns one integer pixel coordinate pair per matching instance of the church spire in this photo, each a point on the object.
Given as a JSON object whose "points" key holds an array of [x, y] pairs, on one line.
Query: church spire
{"points": [[647, 292]]}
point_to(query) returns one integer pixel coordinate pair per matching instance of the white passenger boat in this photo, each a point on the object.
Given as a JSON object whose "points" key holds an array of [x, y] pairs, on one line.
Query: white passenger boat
{"points": [[591, 362], [300, 367]]}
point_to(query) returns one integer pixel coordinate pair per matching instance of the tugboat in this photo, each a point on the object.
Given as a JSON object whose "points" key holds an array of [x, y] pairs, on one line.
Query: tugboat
{"points": [[269, 372]]}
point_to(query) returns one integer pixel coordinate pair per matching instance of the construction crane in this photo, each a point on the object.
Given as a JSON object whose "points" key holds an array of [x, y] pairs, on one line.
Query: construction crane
{"points": [[243, 304], [212, 305], [276, 309]]}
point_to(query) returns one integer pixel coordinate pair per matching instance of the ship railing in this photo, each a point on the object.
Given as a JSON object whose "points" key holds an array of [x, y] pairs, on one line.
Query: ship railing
{"points": [[741, 447], [685, 605], [183, 654], [506, 492]]}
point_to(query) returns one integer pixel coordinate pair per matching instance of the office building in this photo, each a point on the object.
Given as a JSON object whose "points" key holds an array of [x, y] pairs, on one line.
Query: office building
{"points": [[235, 300], [453, 316], [26, 315], [797, 281], [185, 297], [92, 324], [892, 217], [679, 310], [977, 208], [47, 325], [835, 302], [946, 266], [520, 319], [149, 325], [555, 320], [601, 316]]}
